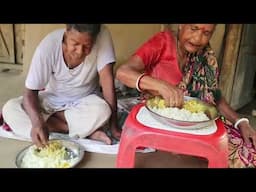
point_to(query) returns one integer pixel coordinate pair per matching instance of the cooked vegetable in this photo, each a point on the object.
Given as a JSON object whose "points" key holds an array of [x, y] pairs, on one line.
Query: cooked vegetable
{"points": [[157, 102], [192, 105], [54, 155]]}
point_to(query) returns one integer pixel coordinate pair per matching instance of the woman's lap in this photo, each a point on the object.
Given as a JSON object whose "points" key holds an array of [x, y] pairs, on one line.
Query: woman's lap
{"points": [[241, 155]]}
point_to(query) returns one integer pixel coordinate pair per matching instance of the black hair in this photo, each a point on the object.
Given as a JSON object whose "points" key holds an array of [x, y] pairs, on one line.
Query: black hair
{"points": [[92, 29]]}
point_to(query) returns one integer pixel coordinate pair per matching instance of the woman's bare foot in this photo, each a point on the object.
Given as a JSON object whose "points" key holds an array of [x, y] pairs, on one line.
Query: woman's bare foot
{"points": [[100, 136]]}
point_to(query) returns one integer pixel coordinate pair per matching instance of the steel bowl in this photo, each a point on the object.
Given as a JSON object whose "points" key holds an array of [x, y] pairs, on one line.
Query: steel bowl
{"points": [[75, 150], [211, 112]]}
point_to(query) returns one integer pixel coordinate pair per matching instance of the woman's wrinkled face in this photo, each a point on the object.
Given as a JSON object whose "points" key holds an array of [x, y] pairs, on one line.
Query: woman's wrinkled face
{"points": [[77, 45], [193, 37]]}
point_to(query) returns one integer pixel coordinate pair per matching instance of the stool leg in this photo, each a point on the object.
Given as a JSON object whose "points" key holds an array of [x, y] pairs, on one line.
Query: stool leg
{"points": [[214, 164], [126, 156], [218, 161]]}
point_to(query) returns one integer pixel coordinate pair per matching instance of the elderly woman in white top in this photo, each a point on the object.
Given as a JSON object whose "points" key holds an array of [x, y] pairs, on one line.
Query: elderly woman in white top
{"points": [[69, 87]]}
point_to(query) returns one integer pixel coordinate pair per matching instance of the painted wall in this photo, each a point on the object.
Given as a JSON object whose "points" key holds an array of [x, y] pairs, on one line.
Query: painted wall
{"points": [[126, 38], [34, 33]]}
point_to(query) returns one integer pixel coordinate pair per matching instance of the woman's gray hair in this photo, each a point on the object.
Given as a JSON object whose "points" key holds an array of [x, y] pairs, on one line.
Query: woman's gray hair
{"points": [[92, 29]]}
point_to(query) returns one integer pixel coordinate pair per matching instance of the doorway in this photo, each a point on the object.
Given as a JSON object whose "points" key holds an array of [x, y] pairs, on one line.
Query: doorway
{"points": [[243, 86], [11, 45]]}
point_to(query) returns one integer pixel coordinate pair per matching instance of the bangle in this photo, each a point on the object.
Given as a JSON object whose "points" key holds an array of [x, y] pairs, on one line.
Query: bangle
{"points": [[138, 82], [239, 121]]}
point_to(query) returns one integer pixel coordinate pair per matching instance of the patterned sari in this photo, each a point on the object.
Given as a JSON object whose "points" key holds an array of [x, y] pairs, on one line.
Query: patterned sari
{"points": [[200, 79]]}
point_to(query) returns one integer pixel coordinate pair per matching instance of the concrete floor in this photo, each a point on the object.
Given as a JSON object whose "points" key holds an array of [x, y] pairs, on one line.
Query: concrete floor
{"points": [[12, 84], [157, 159]]}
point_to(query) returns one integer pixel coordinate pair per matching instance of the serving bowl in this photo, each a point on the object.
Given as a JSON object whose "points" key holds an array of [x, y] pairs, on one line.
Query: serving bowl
{"points": [[210, 111]]}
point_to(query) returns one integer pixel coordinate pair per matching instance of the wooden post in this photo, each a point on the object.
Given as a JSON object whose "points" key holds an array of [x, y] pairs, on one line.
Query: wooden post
{"points": [[229, 62]]}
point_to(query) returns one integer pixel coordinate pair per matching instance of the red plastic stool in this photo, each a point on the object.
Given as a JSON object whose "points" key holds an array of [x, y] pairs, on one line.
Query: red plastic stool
{"points": [[213, 147]]}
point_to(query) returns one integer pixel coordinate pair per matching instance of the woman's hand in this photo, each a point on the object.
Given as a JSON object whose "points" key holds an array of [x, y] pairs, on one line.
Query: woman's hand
{"points": [[172, 95], [248, 133]]}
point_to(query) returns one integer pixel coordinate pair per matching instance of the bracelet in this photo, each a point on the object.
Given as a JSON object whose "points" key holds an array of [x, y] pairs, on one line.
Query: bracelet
{"points": [[138, 82], [239, 121]]}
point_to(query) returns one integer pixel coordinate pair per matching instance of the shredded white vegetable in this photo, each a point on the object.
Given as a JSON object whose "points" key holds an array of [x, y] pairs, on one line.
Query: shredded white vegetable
{"points": [[51, 156], [180, 114]]}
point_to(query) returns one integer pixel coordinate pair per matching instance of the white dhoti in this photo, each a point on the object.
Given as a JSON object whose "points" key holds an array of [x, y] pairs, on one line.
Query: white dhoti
{"points": [[83, 118]]}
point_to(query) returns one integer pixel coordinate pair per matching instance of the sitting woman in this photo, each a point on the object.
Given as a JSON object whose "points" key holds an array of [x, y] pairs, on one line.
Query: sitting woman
{"points": [[172, 65]]}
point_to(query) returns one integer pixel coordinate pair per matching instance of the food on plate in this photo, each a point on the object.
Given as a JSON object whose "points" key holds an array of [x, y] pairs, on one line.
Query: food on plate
{"points": [[194, 106], [53, 155], [193, 110], [156, 102]]}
